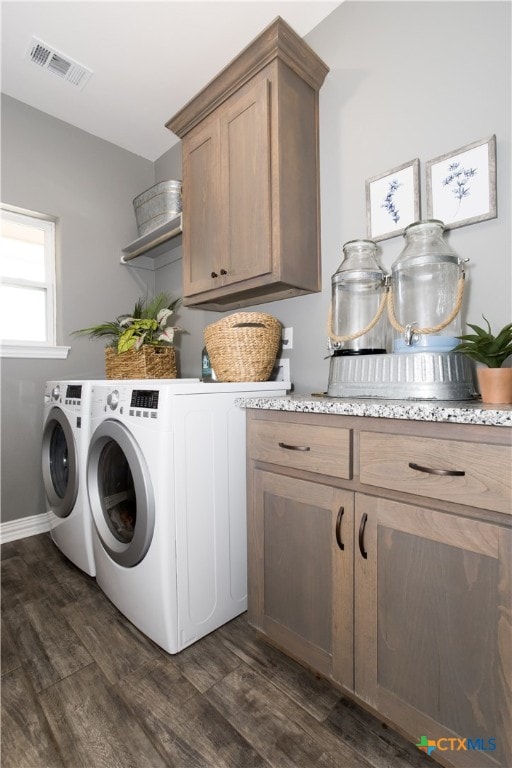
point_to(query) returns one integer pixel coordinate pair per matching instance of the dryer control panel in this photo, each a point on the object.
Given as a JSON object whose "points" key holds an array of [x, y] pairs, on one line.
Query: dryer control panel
{"points": [[113, 399], [144, 398], [110, 399], [125, 401]]}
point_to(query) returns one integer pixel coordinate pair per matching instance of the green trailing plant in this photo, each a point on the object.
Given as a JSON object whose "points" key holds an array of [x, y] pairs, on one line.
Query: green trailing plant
{"points": [[147, 324], [486, 348]]}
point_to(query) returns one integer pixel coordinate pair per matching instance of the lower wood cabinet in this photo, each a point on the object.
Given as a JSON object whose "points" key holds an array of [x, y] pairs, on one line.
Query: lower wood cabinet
{"points": [[432, 625], [404, 603], [301, 564]]}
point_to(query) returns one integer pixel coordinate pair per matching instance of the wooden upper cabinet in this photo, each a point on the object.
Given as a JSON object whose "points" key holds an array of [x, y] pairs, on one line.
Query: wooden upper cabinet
{"points": [[251, 219]]}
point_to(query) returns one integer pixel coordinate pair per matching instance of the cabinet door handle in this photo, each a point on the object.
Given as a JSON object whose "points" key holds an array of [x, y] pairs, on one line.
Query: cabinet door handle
{"points": [[431, 471], [294, 447], [341, 512], [223, 271], [214, 274], [362, 526]]}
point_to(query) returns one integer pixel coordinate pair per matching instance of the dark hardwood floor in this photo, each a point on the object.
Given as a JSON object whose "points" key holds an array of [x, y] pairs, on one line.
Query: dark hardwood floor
{"points": [[81, 686]]}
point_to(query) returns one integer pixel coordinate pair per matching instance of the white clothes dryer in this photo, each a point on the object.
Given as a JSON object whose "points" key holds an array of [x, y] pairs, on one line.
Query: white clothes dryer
{"points": [[64, 455], [166, 478]]}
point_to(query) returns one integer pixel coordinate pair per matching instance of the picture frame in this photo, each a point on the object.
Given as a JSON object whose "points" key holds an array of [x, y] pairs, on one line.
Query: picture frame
{"points": [[461, 185], [393, 201]]}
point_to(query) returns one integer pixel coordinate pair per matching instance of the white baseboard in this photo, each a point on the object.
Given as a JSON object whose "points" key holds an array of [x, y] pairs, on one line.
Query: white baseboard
{"points": [[12, 530]]}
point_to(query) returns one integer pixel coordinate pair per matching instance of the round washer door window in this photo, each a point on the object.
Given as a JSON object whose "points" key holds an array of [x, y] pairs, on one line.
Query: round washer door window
{"points": [[120, 493], [59, 461]]}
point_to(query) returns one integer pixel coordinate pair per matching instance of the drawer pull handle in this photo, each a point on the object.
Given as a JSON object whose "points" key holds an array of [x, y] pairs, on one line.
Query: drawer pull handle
{"points": [[445, 472], [214, 274], [223, 271], [362, 526], [341, 512], [294, 447]]}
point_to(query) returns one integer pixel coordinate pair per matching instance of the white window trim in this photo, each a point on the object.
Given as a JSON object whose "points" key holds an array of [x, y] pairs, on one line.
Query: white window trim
{"points": [[30, 350], [49, 348]]}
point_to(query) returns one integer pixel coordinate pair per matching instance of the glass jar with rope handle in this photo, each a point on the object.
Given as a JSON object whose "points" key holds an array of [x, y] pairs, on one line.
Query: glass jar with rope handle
{"points": [[426, 291], [356, 324]]}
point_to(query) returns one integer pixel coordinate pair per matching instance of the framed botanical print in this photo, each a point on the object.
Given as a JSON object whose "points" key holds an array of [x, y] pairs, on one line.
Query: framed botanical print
{"points": [[461, 185], [393, 201]]}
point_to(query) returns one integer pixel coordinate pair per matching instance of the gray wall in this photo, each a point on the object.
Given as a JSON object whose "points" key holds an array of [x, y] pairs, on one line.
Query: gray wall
{"points": [[407, 79], [89, 184]]}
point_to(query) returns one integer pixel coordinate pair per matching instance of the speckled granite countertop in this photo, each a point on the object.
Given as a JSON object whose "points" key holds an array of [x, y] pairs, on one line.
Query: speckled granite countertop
{"points": [[455, 412]]}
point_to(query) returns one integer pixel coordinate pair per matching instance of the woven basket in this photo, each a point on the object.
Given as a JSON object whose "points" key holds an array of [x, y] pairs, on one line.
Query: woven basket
{"points": [[243, 346], [148, 362]]}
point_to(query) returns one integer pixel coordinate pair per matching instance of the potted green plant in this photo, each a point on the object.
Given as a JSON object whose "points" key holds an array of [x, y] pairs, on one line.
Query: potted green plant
{"points": [[140, 344], [494, 380]]}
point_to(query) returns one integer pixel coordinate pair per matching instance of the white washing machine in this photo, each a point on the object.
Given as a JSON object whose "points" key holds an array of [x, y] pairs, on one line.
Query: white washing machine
{"points": [[64, 455], [166, 482]]}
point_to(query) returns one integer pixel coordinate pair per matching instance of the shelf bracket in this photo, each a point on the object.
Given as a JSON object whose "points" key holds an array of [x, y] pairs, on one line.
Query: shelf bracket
{"points": [[152, 240]]}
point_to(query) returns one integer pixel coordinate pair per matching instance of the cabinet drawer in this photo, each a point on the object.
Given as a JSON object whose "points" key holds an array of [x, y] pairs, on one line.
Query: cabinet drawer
{"points": [[326, 450], [452, 470]]}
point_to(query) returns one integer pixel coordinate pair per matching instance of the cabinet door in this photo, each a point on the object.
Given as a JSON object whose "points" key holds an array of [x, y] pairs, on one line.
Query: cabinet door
{"points": [[301, 564], [433, 640], [226, 193], [202, 210], [245, 182]]}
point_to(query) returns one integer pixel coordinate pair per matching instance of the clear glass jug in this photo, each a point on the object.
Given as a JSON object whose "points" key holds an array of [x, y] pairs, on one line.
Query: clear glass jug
{"points": [[426, 290], [356, 325]]}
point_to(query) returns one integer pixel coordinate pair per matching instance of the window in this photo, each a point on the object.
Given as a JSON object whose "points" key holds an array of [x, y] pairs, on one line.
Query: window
{"points": [[27, 285]]}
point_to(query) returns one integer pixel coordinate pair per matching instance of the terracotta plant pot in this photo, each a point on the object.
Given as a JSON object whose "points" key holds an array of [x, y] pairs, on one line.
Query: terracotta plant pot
{"points": [[495, 385]]}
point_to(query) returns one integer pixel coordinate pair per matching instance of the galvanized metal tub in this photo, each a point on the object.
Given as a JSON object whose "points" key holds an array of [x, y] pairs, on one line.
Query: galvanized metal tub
{"points": [[157, 205], [402, 376]]}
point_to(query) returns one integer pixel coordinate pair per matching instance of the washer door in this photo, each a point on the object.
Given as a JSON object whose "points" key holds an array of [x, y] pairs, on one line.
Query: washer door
{"points": [[120, 493], [60, 463]]}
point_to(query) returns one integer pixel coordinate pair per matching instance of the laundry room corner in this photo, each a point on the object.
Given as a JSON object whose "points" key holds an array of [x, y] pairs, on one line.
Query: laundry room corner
{"points": [[53, 168]]}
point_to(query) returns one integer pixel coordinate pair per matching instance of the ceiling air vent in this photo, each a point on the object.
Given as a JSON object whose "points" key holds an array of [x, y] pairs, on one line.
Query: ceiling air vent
{"points": [[58, 63]]}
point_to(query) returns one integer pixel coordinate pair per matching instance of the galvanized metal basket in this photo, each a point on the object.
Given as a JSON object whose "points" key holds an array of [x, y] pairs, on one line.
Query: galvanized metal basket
{"points": [[157, 205], [403, 376]]}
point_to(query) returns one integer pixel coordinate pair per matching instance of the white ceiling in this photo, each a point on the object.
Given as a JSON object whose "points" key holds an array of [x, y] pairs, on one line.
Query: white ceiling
{"points": [[148, 58]]}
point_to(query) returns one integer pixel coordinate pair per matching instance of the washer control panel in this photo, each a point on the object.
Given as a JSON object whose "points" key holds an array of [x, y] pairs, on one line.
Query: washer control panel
{"points": [[63, 393], [73, 394]]}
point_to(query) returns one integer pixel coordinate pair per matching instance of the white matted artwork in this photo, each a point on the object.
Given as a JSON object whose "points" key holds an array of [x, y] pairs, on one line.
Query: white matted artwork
{"points": [[461, 185], [393, 201]]}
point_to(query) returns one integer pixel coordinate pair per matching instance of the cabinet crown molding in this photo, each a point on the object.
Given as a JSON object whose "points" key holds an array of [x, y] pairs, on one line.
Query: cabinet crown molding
{"points": [[277, 41]]}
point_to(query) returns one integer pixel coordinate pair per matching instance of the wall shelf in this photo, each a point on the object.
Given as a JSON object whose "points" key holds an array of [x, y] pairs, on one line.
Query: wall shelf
{"points": [[164, 238]]}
